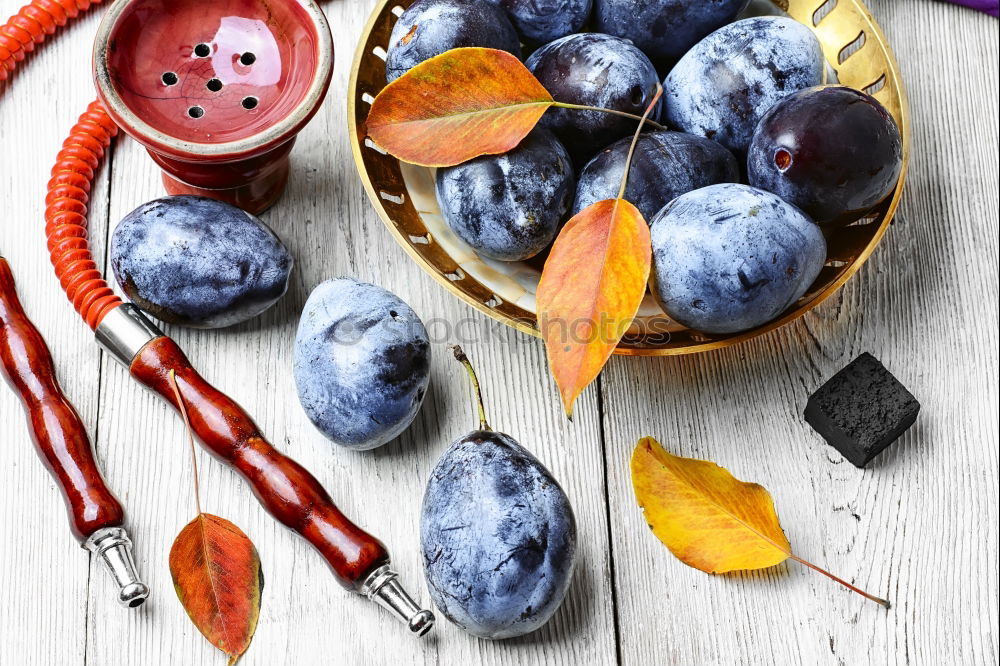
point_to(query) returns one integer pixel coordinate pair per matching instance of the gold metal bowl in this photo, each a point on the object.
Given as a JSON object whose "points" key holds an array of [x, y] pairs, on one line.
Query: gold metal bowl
{"points": [[404, 197]]}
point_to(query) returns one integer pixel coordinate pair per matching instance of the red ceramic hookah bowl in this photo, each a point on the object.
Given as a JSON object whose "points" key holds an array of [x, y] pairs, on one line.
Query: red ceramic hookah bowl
{"points": [[216, 90]]}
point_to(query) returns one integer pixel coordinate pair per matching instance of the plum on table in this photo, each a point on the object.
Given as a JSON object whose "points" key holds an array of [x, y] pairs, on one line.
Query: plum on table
{"points": [[497, 534], [361, 363], [541, 21], [598, 70], [664, 29], [726, 83], [508, 207], [665, 165], [729, 257], [428, 28], [199, 262], [833, 151]]}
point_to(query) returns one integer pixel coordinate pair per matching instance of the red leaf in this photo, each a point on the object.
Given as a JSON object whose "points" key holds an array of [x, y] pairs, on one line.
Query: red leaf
{"points": [[218, 580]]}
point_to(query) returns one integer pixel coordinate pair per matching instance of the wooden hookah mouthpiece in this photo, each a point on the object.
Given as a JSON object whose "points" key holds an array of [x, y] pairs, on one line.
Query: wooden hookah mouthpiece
{"points": [[61, 441], [286, 489]]}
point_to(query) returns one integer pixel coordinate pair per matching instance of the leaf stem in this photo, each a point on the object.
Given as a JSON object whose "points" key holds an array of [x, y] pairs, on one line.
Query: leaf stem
{"points": [[464, 360], [623, 114], [871, 597], [635, 138], [187, 426]]}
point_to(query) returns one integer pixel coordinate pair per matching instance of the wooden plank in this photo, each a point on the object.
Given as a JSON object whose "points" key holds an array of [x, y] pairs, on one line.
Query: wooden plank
{"points": [[332, 230], [918, 525], [46, 581]]}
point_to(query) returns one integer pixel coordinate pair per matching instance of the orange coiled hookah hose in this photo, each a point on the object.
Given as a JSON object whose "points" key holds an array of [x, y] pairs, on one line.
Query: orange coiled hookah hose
{"points": [[66, 215], [81, 154], [31, 25]]}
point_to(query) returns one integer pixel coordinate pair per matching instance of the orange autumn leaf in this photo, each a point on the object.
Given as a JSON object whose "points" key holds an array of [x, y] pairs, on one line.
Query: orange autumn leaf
{"points": [[216, 570], [462, 104], [590, 291], [218, 579], [709, 519]]}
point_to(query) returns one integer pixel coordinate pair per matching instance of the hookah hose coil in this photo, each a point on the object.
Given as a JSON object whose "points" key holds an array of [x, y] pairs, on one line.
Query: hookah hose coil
{"points": [[69, 188], [66, 215], [286, 489], [31, 25]]}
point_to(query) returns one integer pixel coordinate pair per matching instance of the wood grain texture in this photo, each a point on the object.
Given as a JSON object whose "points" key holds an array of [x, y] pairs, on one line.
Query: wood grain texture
{"points": [[918, 526]]}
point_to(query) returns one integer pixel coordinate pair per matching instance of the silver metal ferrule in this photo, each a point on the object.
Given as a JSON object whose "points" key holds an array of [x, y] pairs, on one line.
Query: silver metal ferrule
{"points": [[124, 332], [382, 586], [113, 547]]}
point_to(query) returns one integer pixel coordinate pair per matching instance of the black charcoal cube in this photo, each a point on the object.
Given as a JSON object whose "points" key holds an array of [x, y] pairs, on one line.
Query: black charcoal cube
{"points": [[862, 410]]}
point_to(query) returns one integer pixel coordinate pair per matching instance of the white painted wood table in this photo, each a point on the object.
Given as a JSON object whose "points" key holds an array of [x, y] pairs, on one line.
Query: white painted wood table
{"points": [[919, 526]]}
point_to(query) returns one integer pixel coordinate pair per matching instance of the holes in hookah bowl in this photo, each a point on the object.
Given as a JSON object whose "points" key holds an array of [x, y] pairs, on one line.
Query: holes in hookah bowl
{"points": [[203, 50]]}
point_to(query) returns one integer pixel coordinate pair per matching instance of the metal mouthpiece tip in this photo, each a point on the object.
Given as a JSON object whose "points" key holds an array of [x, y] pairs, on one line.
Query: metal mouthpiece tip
{"points": [[133, 595], [382, 586], [421, 623], [113, 548]]}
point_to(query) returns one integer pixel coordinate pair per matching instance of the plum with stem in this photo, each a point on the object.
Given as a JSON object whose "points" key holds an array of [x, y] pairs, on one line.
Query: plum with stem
{"points": [[497, 533]]}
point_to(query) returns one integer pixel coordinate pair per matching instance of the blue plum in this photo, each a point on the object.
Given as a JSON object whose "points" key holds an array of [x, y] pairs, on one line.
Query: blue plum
{"points": [[729, 257], [665, 165], [664, 29], [430, 27], [834, 152], [594, 70], [361, 362], [498, 537], [542, 21], [724, 85], [508, 207], [199, 262]]}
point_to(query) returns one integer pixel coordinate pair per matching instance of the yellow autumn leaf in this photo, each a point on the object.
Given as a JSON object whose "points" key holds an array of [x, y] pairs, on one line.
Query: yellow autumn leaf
{"points": [[709, 519]]}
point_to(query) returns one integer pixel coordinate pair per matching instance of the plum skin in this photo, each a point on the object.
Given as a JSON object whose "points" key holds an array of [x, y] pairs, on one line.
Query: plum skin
{"points": [[723, 86], [498, 537], [428, 28], [833, 151], [361, 363], [508, 207], [665, 165], [598, 70], [198, 262], [664, 29], [729, 257], [542, 21]]}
